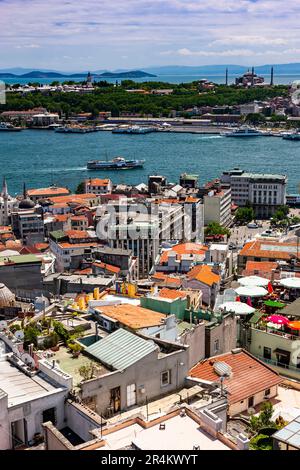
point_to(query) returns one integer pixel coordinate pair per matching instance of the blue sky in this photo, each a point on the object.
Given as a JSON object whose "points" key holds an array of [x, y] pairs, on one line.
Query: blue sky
{"points": [[94, 34]]}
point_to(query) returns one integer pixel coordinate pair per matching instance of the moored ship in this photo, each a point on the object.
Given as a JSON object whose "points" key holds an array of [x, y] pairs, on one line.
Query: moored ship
{"points": [[6, 126], [134, 130], [293, 136], [118, 163]]}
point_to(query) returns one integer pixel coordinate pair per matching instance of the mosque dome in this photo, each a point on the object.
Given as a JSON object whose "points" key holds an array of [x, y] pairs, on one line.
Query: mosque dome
{"points": [[7, 298], [26, 203]]}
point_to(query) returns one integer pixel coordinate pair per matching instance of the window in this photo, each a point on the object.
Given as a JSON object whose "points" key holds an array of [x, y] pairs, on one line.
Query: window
{"points": [[165, 378], [267, 353], [216, 346], [250, 402], [267, 392]]}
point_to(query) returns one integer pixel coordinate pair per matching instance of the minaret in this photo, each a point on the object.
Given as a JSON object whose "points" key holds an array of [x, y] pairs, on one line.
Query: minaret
{"points": [[226, 80], [272, 76], [89, 80], [252, 77], [5, 196]]}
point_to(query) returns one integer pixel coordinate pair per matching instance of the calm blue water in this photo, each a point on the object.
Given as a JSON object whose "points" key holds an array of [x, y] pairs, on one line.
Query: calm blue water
{"points": [[41, 158], [278, 79]]}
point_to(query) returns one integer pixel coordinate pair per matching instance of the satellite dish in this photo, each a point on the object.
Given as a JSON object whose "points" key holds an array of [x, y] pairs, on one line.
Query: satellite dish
{"points": [[3, 325], [222, 369], [19, 334], [29, 361]]}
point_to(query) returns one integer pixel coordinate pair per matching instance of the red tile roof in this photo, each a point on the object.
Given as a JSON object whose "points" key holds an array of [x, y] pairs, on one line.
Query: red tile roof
{"points": [[62, 217], [133, 316], [107, 267], [257, 248], [249, 375], [98, 182], [166, 293], [78, 234], [48, 191], [204, 274], [84, 271], [166, 279], [184, 249]]}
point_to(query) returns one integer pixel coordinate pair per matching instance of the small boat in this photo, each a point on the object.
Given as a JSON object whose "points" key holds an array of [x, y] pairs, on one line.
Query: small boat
{"points": [[293, 136], [244, 132], [6, 126], [118, 163]]}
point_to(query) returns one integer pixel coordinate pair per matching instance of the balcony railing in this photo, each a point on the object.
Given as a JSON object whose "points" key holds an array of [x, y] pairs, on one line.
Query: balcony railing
{"points": [[271, 362], [282, 334]]}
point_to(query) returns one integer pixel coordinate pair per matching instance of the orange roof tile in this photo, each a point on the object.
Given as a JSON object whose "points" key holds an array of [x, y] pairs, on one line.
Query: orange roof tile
{"points": [[79, 217], [77, 234], [261, 265], [72, 198], [257, 248], [66, 245], [47, 191], [107, 267], [184, 249], [41, 246], [204, 274], [167, 279], [249, 375], [62, 217], [84, 271], [166, 293], [133, 316], [98, 182]]}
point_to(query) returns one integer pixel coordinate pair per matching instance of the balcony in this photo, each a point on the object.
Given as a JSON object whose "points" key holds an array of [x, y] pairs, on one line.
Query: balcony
{"points": [[274, 332], [288, 367]]}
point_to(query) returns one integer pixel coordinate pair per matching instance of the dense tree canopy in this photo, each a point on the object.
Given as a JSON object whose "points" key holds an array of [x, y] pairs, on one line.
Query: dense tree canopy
{"points": [[108, 97]]}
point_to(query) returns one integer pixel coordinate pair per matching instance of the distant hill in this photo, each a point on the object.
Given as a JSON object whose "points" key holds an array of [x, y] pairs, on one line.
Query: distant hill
{"points": [[131, 74], [233, 69], [36, 74]]}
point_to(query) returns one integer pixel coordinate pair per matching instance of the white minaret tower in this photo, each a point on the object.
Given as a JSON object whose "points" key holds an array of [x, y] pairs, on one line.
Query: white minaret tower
{"points": [[5, 196]]}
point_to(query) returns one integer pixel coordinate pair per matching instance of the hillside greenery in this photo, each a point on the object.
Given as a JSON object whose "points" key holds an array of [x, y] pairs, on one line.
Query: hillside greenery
{"points": [[108, 97]]}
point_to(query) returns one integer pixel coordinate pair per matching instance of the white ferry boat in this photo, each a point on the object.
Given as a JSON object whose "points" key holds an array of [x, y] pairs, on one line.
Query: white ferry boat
{"points": [[118, 163], [244, 132]]}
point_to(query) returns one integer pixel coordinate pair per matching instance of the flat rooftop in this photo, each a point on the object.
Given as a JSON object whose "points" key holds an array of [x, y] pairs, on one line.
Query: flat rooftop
{"points": [[180, 433], [21, 388]]}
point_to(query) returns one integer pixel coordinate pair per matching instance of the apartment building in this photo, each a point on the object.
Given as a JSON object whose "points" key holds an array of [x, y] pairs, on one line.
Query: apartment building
{"points": [[264, 192], [217, 206], [98, 186]]}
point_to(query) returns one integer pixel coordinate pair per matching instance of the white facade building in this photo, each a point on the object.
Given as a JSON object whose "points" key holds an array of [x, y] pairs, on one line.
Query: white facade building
{"points": [[7, 205], [217, 207], [264, 192], [29, 398]]}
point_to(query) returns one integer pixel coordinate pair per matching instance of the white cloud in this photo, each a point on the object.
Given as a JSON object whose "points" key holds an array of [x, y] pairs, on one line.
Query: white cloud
{"points": [[253, 40], [147, 30]]}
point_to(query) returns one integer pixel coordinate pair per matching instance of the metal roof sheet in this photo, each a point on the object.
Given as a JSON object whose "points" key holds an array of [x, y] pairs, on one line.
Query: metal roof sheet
{"points": [[121, 349]]}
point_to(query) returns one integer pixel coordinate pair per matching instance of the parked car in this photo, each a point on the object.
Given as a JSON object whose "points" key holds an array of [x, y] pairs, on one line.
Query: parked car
{"points": [[252, 225]]}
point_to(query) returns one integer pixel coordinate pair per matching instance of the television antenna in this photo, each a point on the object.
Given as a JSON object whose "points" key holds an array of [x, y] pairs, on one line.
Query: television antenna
{"points": [[19, 334]]}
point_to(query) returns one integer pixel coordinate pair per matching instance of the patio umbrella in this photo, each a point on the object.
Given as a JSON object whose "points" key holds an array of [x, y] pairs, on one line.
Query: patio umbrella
{"points": [[294, 325], [270, 288], [253, 281], [278, 319], [291, 282], [253, 291], [237, 307]]}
